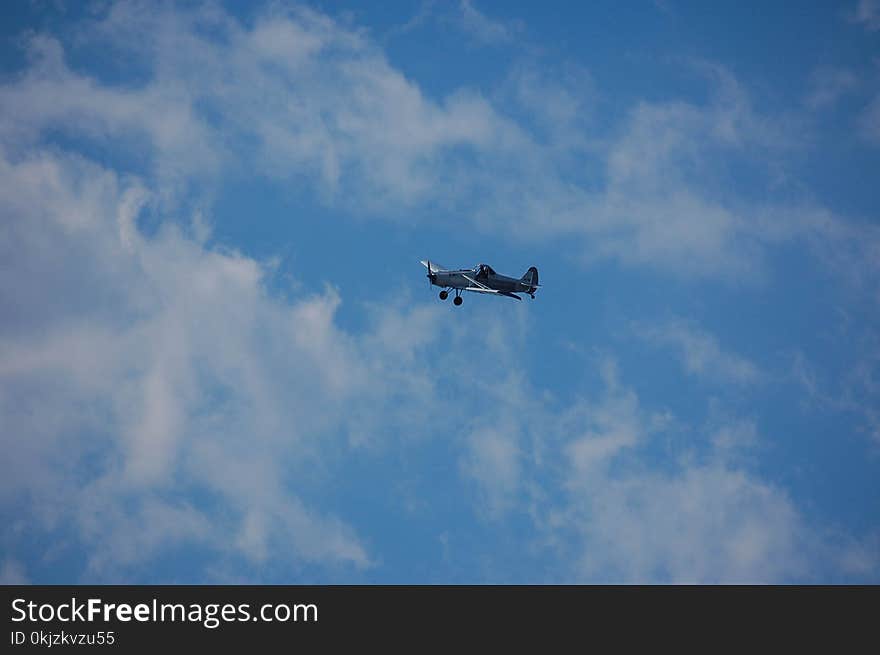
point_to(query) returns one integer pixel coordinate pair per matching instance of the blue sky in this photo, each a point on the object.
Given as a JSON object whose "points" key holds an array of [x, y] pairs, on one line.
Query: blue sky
{"points": [[220, 360]]}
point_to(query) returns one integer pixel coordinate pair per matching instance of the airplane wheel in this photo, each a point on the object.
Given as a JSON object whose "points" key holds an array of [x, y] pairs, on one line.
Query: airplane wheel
{"points": [[457, 300], [444, 295]]}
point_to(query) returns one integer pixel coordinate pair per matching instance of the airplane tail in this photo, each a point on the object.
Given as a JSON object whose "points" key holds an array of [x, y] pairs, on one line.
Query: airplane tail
{"points": [[531, 277]]}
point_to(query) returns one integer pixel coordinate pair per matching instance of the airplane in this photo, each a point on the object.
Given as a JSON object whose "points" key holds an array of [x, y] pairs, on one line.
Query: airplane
{"points": [[480, 279]]}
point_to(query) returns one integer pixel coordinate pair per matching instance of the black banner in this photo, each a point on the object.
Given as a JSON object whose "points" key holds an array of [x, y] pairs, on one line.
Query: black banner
{"points": [[155, 617]]}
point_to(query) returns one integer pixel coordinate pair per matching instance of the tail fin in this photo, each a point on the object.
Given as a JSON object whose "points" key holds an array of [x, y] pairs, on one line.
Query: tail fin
{"points": [[531, 277]]}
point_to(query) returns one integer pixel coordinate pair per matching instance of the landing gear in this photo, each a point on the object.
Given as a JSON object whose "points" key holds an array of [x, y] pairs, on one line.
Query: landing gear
{"points": [[457, 300], [444, 294]]}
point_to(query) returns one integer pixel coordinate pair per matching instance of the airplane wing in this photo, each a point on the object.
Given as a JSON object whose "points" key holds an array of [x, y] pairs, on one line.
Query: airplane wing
{"points": [[482, 288], [494, 292]]}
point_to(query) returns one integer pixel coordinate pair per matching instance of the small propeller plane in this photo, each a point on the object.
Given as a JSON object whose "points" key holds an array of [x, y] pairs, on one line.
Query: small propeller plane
{"points": [[480, 279]]}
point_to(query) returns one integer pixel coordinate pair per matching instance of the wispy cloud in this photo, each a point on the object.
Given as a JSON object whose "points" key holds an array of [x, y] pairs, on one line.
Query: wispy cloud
{"points": [[485, 29], [828, 85], [700, 353], [12, 573], [703, 520], [492, 460], [867, 14]]}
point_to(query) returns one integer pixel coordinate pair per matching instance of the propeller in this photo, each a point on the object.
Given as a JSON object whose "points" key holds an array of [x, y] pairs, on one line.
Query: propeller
{"points": [[430, 277]]}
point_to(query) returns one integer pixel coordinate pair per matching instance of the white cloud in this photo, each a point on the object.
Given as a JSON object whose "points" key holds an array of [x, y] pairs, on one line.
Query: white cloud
{"points": [[867, 12], [297, 96], [735, 436], [828, 85], [485, 29], [161, 363], [603, 504], [139, 373], [314, 103], [493, 460], [612, 426], [12, 573], [558, 107], [856, 391], [700, 353], [350, 119], [700, 519], [463, 16], [158, 119], [703, 525], [140, 393]]}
